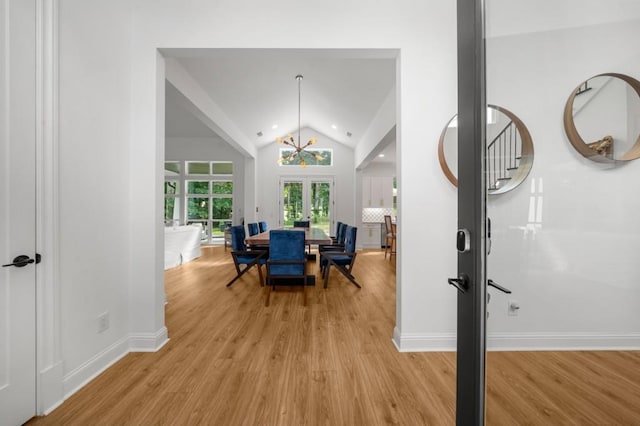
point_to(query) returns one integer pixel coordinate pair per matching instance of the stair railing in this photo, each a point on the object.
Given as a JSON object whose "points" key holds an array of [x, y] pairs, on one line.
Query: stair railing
{"points": [[503, 155]]}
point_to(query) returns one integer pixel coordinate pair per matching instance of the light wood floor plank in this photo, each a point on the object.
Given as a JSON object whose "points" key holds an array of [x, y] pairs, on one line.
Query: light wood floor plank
{"points": [[233, 361]]}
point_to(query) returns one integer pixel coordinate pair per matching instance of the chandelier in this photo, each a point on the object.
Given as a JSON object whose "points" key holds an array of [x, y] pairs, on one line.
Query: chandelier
{"points": [[298, 150]]}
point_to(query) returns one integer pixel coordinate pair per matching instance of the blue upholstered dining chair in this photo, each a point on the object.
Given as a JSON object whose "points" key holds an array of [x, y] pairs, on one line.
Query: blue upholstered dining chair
{"points": [[263, 226], [303, 224], [336, 245], [287, 261], [253, 228], [242, 256], [342, 260]]}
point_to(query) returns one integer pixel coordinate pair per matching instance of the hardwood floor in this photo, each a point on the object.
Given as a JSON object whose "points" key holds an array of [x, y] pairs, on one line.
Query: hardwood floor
{"points": [[231, 360]]}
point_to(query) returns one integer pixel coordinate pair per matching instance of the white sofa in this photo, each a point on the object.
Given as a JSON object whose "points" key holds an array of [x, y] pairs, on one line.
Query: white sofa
{"points": [[181, 244]]}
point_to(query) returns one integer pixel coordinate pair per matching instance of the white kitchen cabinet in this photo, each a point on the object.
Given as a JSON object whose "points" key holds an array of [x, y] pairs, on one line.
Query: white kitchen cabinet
{"points": [[377, 191], [369, 235]]}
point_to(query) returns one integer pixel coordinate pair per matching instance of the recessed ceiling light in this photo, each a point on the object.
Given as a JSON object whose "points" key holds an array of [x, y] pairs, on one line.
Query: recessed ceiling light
{"points": [[334, 126], [259, 133], [380, 155], [275, 126]]}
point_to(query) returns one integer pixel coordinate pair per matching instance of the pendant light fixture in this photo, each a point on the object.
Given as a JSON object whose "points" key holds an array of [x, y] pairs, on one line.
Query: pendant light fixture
{"points": [[296, 146]]}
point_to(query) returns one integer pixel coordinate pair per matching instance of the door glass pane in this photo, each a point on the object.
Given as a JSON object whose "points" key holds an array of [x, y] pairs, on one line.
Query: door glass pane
{"points": [[172, 168], [218, 227], [292, 202], [222, 187], [172, 210], [222, 168], [197, 187], [320, 194], [171, 187], [197, 208], [222, 211], [566, 241], [197, 168]]}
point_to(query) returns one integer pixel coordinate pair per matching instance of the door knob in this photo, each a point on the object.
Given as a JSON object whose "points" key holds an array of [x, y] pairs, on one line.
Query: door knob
{"points": [[20, 261]]}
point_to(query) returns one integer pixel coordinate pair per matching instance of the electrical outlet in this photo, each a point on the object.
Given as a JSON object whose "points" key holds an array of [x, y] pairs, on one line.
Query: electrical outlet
{"points": [[513, 308], [103, 322]]}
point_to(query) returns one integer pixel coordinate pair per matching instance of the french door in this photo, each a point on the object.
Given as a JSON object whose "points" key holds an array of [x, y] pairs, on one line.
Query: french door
{"points": [[17, 211], [307, 198]]}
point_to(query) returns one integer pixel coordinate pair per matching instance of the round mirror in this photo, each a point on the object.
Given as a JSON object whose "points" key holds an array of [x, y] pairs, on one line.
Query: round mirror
{"points": [[509, 150], [602, 118]]}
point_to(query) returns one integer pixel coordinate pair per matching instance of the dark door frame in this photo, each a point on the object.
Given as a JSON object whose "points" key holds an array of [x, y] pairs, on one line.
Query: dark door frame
{"points": [[472, 294]]}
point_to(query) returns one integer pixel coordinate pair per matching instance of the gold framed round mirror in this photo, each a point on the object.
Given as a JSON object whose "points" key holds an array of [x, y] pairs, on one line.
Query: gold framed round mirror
{"points": [[602, 118], [509, 150]]}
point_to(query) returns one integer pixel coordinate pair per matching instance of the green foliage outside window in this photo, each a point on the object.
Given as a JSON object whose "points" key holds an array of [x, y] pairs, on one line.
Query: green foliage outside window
{"points": [[197, 208], [197, 187], [309, 158], [222, 187]]}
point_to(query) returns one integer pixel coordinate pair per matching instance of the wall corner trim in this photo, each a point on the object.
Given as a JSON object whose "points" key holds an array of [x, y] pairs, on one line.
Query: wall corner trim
{"points": [[414, 342], [148, 342], [51, 388]]}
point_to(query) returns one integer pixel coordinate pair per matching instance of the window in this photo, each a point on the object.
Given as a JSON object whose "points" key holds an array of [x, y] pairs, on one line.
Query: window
{"points": [[206, 192], [172, 192], [209, 201], [309, 158]]}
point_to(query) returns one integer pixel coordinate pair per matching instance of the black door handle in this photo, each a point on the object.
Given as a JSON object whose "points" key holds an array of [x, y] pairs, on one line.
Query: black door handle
{"points": [[461, 283], [498, 286], [20, 261]]}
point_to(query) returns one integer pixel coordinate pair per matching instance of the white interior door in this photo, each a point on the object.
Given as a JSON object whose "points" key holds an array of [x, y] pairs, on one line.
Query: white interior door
{"points": [[17, 212]]}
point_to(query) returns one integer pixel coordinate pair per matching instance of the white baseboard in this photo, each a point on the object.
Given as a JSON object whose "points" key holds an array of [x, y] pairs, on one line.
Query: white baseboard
{"points": [[142, 342], [79, 377], [563, 341], [413, 342], [446, 342], [148, 342], [51, 389]]}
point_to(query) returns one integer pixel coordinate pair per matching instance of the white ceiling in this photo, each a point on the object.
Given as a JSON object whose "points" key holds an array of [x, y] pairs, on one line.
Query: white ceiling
{"points": [[256, 88]]}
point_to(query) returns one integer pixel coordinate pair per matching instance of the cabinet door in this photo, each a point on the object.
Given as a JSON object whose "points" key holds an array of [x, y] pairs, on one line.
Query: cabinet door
{"points": [[366, 192], [370, 235], [386, 189], [381, 192]]}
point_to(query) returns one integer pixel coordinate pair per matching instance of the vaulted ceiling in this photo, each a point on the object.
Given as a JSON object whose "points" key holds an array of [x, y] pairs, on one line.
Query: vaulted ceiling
{"points": [[341, 92]]}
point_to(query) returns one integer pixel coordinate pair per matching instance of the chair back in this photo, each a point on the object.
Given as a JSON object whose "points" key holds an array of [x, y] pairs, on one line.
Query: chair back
{"points": [[388, 224], [263, 226], [237, 238], [342, 232], [350, 239], [301, 224], [253, 228], [286, 244]]}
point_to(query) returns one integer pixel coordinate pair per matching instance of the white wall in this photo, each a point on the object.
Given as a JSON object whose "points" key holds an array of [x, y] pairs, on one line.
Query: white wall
{"points": [[572, 261], [95, 228], [269, 172], [212, 149]]}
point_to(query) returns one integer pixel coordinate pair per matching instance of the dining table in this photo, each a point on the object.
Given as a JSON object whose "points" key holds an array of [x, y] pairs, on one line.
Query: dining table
{"points": [[311, 236]]}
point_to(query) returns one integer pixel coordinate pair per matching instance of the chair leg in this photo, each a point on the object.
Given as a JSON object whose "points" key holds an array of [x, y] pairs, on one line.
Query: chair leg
{"points": [[304, 291], [326, 274], [344, 271], [241, 273], [260, 274], [268, 291]]}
